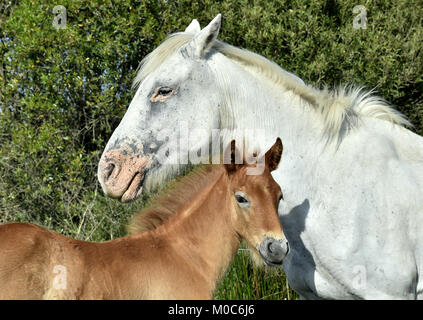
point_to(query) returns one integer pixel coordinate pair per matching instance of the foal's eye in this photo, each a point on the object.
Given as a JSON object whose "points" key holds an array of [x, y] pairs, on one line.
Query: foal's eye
{"points": [[242, 199], [162, 93]]}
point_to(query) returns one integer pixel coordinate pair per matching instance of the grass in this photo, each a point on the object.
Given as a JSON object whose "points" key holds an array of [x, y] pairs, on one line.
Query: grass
{"points": [[245, 281]]}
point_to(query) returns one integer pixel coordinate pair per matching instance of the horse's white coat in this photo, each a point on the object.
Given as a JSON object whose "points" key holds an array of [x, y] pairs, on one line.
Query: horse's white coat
{"points": [[351, 175]]}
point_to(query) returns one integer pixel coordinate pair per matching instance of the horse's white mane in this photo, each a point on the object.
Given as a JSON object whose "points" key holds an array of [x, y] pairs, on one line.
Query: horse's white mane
{"points": [[339, 108]]}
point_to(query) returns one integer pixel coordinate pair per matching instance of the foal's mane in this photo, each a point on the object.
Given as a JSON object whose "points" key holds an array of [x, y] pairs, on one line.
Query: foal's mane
{"points": [[173, 198], [339, 108]]}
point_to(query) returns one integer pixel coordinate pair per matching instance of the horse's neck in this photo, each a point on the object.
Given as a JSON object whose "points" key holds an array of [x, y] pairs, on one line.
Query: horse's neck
{"points": [[202, 233], [257, 105]]}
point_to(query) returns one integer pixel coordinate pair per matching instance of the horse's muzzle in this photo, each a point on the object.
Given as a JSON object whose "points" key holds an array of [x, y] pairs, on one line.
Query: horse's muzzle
{"points": [[121, 173], [273, 251]]}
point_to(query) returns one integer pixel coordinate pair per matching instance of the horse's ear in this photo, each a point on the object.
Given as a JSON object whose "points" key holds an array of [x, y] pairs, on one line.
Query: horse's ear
{"points": [[194, 27], [232, 158], [203, 40], [273, 155]]}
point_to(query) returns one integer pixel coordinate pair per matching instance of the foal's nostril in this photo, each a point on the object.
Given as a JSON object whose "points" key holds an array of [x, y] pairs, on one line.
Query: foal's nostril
{"points": [[273, 246], [273, 251]]}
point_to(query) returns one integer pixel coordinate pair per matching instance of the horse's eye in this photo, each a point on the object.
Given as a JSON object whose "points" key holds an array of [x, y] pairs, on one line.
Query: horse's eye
{"points": [[242, 199], [162, 93]]}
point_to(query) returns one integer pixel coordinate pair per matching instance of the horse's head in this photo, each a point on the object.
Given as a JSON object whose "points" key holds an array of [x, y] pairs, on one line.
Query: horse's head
{"points": [[176, 92], [255, 206]]}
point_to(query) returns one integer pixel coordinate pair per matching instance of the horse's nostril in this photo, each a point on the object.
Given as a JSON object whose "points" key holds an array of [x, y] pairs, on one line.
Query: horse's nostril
{"points": [[108, 170]]}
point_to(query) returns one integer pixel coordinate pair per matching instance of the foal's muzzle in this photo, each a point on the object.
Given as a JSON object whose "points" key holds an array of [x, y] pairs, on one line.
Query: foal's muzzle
{"points": [[273, 251]]}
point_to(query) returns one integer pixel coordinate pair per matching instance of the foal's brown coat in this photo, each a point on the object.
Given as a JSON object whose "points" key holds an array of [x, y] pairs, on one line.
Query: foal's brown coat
{"points": [[183, 256]]}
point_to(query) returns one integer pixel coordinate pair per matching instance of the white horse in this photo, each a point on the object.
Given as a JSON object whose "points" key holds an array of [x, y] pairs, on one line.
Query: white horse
{"points": [[352, 174]]}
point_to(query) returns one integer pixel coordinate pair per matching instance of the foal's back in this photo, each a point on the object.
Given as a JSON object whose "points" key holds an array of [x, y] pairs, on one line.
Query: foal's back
{"points": [[33, 260], [36, 263], [23, 251]]}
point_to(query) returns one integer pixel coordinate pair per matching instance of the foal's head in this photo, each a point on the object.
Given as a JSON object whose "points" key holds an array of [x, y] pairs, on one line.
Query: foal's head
{"points": [[255, 200]]}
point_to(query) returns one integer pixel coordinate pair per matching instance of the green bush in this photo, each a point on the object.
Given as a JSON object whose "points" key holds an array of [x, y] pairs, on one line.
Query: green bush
{"points": [[62, 92]]}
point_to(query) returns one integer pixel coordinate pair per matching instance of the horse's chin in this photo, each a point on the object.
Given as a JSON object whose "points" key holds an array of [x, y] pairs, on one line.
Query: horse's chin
{"points": [[134, 189], [151, 180]]}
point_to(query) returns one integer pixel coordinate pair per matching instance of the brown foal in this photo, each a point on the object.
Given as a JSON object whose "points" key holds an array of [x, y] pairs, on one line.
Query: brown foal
{"points": [[177, 249]]}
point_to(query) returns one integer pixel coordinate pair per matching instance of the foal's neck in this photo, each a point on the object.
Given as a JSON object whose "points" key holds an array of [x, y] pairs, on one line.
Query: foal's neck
{"points": [[202, 232]]}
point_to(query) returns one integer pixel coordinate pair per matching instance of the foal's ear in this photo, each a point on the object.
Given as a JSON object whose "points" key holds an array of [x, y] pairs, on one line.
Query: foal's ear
{"points": [[204, 39], [194, 27], [232, 158], [274, 154]]}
